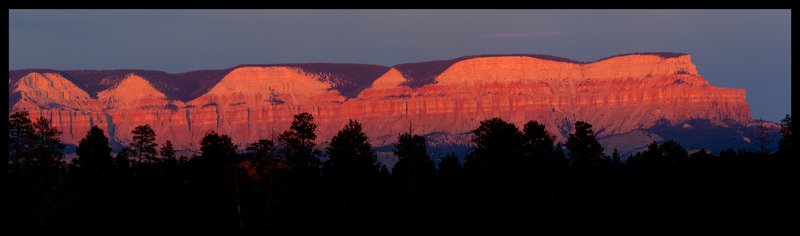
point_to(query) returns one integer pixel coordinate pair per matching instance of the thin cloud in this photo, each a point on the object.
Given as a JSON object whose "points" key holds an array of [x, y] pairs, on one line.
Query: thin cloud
{"points": [[508, 35], [547, 33]]}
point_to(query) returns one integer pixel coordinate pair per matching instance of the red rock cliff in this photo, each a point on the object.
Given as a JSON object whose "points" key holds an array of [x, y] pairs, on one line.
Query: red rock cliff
{"points": [[617, 95]]}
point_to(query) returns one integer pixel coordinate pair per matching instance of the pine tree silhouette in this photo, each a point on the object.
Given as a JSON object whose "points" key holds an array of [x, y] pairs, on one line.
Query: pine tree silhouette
{"points": [[352, 170]]}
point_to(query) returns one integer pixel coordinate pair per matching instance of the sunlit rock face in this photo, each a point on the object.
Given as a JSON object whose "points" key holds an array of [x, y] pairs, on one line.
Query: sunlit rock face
{"points": [[621, 96]]}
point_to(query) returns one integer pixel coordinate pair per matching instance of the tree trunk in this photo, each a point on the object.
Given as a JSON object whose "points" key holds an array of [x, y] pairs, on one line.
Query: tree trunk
{"points": [[238, 204]]}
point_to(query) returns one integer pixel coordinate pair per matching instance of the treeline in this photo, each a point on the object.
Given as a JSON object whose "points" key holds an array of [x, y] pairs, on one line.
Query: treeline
{"points": [[512, 176]]}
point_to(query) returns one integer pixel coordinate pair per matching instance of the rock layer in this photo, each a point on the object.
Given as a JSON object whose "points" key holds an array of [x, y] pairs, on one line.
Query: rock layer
{"points": [[617, 95]]}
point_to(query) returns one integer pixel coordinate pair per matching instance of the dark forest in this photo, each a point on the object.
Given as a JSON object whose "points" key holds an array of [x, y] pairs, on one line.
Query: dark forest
{"points": [[514, 176]]}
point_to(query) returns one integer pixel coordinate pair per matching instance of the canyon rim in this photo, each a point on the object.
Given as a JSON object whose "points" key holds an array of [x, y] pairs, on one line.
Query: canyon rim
{"points": [[631, 100]]}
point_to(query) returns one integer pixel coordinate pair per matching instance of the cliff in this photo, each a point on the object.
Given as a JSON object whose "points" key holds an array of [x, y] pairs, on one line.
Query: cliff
{"points": [[621, 96]]}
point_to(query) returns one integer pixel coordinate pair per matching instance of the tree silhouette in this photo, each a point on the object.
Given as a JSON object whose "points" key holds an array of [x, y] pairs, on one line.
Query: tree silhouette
{"points": [[167, 151], [538, 142], [217, 149], [386, 208], [217, 158], [20, 140], [499, 173], [666, 154], [559, 151], [93, 174], [350, 155], [264, 161], [384, 174], [584, 150], [122, 180], [498, 149], [547, 163], [588, 169], [122, 163], [277, 182], [450, 170], [34, 146], [35, 166], [785, 144], [265, 169], [143, 143], [297, 145], [94, 155], [413, 174], [615, 158], [761, 137], [674, 153], [47, 147], [262, 149], [781, 169], [449, 189], [352, 169], [297, 148]]}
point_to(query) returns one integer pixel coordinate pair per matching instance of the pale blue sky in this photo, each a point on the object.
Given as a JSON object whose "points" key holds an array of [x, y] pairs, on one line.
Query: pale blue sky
{"points": [[747, 49]]}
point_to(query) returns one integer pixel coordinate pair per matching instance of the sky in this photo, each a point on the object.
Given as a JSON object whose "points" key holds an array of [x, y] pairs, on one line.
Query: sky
{"points": [[748, 49]]}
